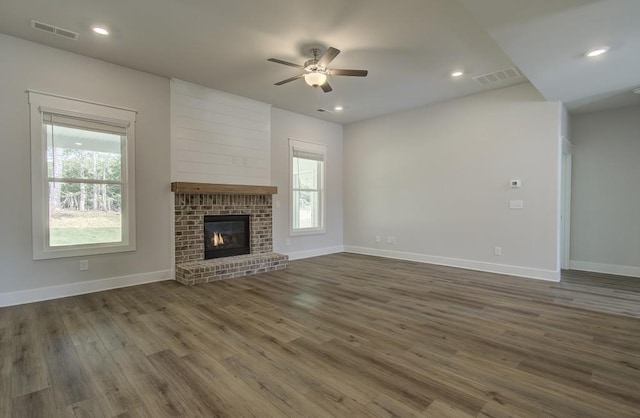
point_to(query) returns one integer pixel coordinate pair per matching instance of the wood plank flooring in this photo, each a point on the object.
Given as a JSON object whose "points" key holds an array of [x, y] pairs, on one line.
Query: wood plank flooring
{"points": [[336, 336]]}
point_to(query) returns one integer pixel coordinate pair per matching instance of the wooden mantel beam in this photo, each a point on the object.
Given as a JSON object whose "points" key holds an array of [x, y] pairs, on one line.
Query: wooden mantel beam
{"points": [[209, 188]]}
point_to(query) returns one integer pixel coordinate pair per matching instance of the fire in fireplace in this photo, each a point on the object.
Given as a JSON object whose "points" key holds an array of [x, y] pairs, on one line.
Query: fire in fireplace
{"points": [[226, 235]]}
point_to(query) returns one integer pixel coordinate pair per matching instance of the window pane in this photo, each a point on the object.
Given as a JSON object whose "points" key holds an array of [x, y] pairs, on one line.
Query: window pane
{"points": [[305, 173], [81, 213], [83, 154], [306, 209]]}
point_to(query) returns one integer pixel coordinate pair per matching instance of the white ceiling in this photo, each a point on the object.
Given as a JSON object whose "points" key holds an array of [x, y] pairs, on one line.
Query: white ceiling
{"points": [[547, 40], [408, 46]]}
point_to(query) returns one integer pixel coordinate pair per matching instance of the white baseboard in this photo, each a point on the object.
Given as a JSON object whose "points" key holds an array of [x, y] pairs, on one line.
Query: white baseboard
{"points": [[532, 273], [54, 292], [630, 271], [298, 255]]}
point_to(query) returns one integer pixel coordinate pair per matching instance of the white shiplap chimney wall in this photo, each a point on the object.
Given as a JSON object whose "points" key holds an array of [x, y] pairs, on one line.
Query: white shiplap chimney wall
{"points": [[218, 137]]}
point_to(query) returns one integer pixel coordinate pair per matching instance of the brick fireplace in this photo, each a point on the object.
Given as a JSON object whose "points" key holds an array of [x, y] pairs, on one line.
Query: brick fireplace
{"points": [[194, 201]]}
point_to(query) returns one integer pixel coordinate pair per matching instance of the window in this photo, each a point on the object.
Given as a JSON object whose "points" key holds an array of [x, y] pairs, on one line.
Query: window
{"points": [[307, 187], [82, 168]]}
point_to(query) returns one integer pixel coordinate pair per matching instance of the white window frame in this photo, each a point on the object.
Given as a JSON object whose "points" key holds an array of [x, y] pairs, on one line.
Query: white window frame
{"points": [[317, 149], [43, 102]]}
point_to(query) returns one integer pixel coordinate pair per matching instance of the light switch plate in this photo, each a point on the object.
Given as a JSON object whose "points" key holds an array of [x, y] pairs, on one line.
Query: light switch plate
{"points": [[516, 204]]}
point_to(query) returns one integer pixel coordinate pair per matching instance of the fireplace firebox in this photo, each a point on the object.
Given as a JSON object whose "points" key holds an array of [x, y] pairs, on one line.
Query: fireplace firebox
{"points": [[226, 235]]}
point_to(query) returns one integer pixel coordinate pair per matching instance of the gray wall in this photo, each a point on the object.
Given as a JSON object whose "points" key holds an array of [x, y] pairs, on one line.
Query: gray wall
{"points": [[36, 67], [286, 125], [605, 208], [26, 65], [437, 179], [444, 168]]}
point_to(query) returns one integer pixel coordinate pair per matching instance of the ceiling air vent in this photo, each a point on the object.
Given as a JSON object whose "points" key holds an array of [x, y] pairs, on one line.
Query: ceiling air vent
{"points": [[54, 30], [499, 77]]}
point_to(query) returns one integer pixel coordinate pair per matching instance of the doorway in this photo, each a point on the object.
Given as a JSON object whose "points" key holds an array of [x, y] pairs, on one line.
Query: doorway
{"points": [[565, 206]]}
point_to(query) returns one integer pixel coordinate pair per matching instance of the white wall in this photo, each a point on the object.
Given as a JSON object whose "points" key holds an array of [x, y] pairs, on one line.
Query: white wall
{"points": [[445, 168], [285, 125], [437, 179], [565, 190], [605, 210], [26, 65], [217, 137], [565, 123]]}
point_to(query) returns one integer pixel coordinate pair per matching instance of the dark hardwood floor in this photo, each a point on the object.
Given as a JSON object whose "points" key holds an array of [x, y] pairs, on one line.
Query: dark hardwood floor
{"points": [[335, 336]]}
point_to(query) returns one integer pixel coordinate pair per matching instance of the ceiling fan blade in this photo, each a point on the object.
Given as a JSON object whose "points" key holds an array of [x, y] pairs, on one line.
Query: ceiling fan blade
{"points": [[328, 56], [279, 83], [326, 87], [352, 73], [290, 64]]}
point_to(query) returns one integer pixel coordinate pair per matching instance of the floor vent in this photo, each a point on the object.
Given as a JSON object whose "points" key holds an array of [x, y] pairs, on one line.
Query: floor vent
{"points": [[54, 30], [498, 77]]}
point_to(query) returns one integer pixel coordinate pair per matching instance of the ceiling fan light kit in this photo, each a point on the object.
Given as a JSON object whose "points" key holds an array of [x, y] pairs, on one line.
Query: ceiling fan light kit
{"points": [[316, 73], [315, 79]]}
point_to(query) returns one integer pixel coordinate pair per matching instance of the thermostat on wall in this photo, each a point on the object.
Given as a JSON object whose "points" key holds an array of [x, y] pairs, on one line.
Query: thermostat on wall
{"points": [[515, 184]]}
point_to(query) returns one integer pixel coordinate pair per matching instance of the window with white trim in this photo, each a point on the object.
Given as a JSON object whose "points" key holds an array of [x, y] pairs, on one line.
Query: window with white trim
{"points": [[307, 163], [82, 168]]}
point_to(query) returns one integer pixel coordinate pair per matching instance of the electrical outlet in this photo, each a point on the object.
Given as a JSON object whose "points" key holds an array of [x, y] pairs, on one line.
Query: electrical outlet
{"points": [[84, 265], [378, 239], [391, 240], [497, 251]]}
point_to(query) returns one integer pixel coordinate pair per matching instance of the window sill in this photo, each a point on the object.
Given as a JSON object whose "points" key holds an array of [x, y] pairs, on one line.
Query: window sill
{"points": [[50, 254], [310, 231]]}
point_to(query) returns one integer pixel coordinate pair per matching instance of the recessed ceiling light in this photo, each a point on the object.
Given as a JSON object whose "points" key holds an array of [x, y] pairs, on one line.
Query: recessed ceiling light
{"points": [[457, 73], [597, 51], [100, 30], [338, 108], [78, 143]]}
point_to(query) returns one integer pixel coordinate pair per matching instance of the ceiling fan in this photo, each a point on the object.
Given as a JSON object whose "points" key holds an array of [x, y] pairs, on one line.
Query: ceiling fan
{"points": [[315, 70]]}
